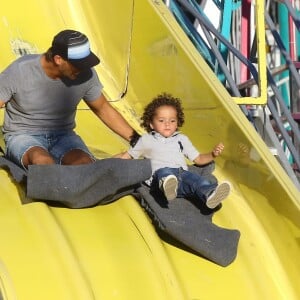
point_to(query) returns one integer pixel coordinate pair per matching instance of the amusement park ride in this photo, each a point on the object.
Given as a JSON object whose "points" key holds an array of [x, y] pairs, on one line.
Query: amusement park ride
{"points": [[257, 59]]}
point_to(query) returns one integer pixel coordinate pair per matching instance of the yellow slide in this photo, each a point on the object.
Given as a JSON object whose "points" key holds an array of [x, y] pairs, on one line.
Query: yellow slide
{"points": [[113, 251]]}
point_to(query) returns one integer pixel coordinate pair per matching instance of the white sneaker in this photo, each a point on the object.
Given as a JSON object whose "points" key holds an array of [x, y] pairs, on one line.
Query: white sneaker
{"points": [[169, 187], [218, 195]]}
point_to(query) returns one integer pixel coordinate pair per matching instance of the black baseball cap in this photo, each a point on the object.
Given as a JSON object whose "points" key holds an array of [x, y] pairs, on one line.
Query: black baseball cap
{"points": [[74, 46]]}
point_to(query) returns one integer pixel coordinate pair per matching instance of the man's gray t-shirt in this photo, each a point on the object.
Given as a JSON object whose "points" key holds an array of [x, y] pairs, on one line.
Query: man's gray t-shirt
{"points": [[37, 103], [164, 152]]}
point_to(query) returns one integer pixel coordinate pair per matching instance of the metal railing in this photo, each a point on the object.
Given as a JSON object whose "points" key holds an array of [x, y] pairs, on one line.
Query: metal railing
{"points": [[279, 112]]}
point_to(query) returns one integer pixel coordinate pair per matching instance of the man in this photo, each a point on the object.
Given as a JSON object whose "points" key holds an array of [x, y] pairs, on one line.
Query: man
{"points": [[41, 93]]}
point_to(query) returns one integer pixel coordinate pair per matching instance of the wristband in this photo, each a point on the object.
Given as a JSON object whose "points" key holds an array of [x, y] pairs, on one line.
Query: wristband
{"points": [[134, 138]]}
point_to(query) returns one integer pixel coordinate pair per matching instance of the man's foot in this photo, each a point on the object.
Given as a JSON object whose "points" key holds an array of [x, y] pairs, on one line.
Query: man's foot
{"points": [[218, 195], [169, 187]]}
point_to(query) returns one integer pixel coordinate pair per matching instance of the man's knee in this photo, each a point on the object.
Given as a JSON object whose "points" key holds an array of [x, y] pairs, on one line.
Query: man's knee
{"points": [[37, 156], [77, 157]]}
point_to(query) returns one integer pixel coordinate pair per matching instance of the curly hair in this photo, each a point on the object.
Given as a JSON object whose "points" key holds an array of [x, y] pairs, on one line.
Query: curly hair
{"points": [[163, 99]]}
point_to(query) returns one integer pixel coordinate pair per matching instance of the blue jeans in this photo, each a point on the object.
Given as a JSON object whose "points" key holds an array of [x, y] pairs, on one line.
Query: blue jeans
{"points": [[57, 143], [190, 185]]}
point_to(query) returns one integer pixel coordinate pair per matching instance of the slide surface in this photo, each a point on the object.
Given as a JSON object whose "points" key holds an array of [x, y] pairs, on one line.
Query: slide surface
{"points": [[113, 251]]}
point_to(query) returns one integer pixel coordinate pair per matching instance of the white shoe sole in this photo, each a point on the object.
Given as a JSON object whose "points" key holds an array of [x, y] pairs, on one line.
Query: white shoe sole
{"points": [[221, 192], [170, 185]]}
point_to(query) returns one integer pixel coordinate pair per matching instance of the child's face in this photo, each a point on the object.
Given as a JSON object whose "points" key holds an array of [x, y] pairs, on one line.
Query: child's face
{"points": [[165, 120]]}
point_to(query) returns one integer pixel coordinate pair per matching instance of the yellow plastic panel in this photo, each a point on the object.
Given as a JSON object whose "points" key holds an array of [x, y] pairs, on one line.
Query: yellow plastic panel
{"points": [[262, 98], [113, 252]]}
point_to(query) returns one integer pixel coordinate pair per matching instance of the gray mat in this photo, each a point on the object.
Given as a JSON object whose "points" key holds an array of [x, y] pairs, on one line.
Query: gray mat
{"points": [[86, 185], [188, 223], [183, 222], [16, 172]]}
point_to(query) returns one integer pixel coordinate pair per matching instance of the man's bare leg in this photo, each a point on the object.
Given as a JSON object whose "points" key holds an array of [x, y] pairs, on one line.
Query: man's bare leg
{"points": [[76, 157], [37, 156]]}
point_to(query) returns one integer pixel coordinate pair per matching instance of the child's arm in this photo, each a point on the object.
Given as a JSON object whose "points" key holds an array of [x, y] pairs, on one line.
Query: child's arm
{"points": [[203, 159]]}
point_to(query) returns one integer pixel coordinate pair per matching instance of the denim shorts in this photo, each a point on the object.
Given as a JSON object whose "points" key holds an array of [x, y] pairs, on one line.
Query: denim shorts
{"points": [[57, 143]]}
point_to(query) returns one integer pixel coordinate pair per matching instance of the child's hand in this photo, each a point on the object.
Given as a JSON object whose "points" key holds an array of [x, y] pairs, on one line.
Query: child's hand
{"points": [[218, 150]]}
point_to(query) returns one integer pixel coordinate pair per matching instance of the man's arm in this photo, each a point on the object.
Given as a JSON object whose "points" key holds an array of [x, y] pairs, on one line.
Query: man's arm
{"points": [[2, 103], [111, 117]]}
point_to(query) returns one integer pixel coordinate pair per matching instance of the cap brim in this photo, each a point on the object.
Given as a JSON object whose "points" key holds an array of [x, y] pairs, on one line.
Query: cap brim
{"points": [[85, 63]]}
